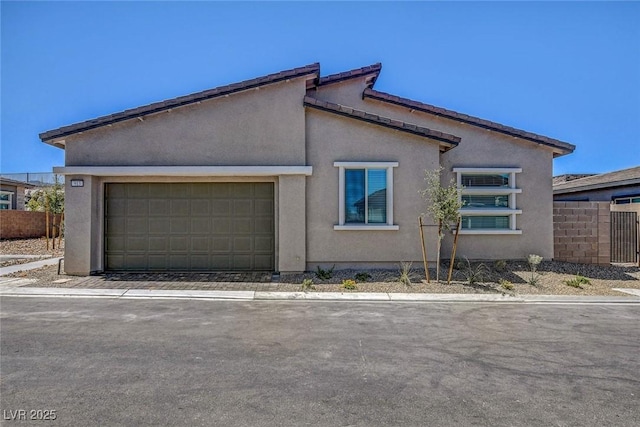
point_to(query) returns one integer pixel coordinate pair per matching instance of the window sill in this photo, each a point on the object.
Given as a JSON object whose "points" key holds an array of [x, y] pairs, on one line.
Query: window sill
{"points": [[489, 231], [366, 227]]}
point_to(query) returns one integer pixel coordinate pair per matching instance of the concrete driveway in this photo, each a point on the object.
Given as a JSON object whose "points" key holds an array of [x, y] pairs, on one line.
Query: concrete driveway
{"points": [[170, 362]]}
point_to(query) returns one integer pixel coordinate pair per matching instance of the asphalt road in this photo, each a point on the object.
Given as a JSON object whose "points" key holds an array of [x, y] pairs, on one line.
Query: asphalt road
{"points": [[167, 362]]}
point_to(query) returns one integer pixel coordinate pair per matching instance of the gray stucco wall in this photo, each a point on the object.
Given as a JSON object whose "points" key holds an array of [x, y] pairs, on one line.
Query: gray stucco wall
{"points": [[480, 148], [262, 126], [332, 138]]}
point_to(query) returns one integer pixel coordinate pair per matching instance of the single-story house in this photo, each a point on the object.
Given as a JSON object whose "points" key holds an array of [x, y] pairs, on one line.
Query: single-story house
{"points": [[12, 194], [290, 171], [618, 187]]}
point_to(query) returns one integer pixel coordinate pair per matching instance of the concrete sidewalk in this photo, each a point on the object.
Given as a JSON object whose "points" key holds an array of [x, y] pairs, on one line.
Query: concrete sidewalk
{"points": [[20, 289], [29, 265]]}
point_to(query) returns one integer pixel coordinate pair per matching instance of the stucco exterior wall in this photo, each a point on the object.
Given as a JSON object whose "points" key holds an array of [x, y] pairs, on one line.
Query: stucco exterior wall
{"points": [[480, 148], [332, 138], [262, 126]]}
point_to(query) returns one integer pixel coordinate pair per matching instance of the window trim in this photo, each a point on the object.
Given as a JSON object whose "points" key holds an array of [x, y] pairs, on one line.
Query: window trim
{"points": [[341, 195], [512, 211], [9, 202]]}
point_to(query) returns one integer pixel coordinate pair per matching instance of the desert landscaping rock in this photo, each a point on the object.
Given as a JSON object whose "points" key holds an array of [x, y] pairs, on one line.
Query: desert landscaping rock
{"points": [[552, 278]]}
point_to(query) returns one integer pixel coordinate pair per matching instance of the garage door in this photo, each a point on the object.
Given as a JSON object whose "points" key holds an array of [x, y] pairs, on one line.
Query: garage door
{"points": [[189, 227]]}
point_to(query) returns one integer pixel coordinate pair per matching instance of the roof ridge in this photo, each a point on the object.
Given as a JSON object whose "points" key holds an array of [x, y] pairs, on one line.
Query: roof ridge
{"points": [[180, 101], [448, 140], [565, 147], [351, 74]]}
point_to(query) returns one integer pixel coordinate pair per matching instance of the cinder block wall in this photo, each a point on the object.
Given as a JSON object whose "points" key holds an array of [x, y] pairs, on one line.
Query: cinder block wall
{"points": [[581, 232], [23, 224]]}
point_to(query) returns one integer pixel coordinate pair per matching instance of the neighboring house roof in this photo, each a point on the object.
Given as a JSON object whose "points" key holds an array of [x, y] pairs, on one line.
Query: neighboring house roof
{"points": [[446, 140], [569, 177], [156, 107], [7, 181], [560, 147], [619, 178], [373, 71]]}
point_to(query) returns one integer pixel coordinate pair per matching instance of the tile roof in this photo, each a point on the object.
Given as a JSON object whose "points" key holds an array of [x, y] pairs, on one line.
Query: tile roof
{"points": [[180, 101], [560, 147], [619, 178], [446, 140], [372, 70]]}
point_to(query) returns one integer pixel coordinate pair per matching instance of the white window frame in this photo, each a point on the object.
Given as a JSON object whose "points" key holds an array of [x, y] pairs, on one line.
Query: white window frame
{"points": [[342, 166], [512, 211], [9, 202]]}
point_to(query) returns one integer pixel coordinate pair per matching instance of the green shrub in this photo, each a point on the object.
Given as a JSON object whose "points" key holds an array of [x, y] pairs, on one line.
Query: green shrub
{"points": [[307, 284], [577, 282], [363, 277], [506, 284], [349, 284], [500, 265], [323, 274]]}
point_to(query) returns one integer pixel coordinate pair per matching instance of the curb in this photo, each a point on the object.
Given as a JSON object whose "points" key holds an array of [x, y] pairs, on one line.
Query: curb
{"points": [[15, 291]]}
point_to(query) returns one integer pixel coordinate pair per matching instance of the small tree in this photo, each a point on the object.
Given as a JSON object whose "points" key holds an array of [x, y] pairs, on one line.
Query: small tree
{"points": [[443, 205], [51, 198]]}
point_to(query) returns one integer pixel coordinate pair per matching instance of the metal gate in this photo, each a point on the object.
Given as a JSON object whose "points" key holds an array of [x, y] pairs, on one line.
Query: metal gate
{"points": [[624, 237]]}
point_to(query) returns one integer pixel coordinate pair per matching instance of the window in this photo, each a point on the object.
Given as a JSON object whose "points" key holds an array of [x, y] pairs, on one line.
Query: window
{"points": [[626, 200], [365, 196], [489, 200], [5, 200]]}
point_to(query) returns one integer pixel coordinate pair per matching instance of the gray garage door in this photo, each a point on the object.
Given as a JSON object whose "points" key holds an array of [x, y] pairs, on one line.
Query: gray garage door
{"points": [[189, 226]]}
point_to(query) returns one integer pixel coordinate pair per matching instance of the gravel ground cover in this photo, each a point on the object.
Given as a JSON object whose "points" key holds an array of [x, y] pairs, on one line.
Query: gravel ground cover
{"points": [[30, 247], [509, 278]]}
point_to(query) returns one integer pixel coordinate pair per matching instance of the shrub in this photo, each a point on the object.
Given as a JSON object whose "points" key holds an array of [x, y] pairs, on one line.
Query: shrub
{"points": [[323, 274], [474, 274], [349, 284], [405, 273], [363, 277], [506, 284], [534, 261], [307, 284], [577, 282], [500, 265]]}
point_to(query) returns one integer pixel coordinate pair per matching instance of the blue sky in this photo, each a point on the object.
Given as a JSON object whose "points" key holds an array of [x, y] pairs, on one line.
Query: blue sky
{"points": [[570, 71]]}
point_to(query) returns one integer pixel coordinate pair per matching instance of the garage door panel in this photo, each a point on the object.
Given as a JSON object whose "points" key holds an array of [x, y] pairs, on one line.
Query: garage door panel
{"points": [[242, 207], [242, 262], [221, 207], [180, 225], [179, 244], [263, 244], [158, 244], [179, 208], [200, 208], [159, 225], [137, 244], [221, 244], [243, 225], [263, 262], [137, 225], [189, 226], [137, 191], [242, 244], [159, 207]]}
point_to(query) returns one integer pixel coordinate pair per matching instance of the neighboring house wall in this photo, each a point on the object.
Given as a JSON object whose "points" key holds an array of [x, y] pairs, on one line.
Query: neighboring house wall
{"points": [[582, 232], [16, 224], [17, 196], [600, 195]]}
